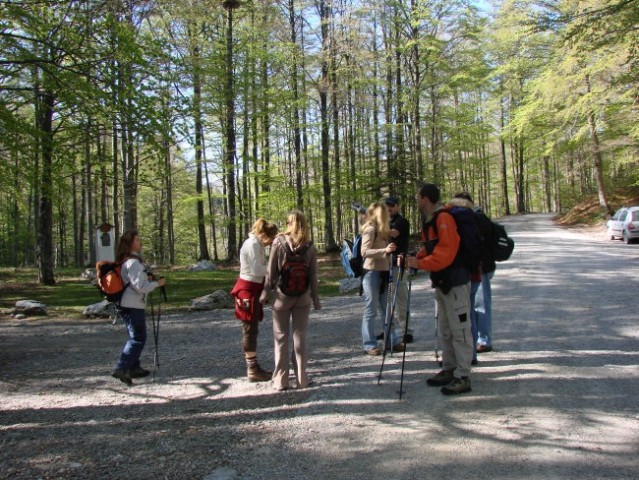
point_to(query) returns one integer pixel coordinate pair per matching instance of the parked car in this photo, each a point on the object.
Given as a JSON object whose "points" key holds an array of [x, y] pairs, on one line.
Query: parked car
{"points": [[624, 224]]}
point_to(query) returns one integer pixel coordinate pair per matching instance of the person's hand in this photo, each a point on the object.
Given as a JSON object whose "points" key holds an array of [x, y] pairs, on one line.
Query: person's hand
{"points": [[264, 298], [412, 262], [161, 282], [390, 248]]}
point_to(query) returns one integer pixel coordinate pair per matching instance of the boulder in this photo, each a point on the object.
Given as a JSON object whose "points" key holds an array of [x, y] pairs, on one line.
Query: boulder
{"points": [[349, 284], [89, 274], [213, 301], [30, 307], [202, 266], [102, 309]]}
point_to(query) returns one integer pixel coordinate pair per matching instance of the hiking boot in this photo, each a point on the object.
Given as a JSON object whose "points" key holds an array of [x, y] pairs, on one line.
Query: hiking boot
{"points": [[443, 377], [399, 347], [380, 336], [122, 375], [373, 351], [255, 373], [484, 348], [457, 386], [408, 338], [138, 372]]}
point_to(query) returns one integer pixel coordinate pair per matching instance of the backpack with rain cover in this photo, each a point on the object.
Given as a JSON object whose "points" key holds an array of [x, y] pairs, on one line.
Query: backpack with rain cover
{"points": [[352, 260], [110, 282], [346, 255], [295, 273]]}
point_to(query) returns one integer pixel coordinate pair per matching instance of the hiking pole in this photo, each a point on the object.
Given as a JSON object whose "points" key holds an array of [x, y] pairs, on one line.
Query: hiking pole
{"points": [[437, 335], [389, 322], [401, 381], [156, 336]]}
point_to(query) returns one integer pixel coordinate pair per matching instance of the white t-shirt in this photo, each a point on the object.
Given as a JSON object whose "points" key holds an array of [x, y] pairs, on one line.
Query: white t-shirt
{"points": [[252, 260]]}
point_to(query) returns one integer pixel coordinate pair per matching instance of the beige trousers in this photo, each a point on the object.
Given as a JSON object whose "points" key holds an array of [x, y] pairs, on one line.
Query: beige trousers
{"points": [[285, 321], [453, 322]]}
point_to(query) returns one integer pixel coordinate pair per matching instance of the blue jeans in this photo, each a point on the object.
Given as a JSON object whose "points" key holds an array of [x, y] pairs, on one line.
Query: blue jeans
{"points": [[136, 328], [374, 301], [483, 309]]}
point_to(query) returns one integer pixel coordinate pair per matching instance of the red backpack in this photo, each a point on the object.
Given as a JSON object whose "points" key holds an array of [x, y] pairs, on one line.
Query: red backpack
{"points": [[295, 273]]}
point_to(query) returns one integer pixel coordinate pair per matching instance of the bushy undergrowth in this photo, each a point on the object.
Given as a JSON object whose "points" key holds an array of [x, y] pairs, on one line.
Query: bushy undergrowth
{"points": [[588, 211]]}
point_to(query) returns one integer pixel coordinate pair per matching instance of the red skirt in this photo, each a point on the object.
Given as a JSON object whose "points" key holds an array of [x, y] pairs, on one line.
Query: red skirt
{"points": [[247, 300]]}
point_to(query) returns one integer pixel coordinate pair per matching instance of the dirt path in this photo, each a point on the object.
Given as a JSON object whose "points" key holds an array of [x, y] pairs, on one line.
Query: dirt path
{"points": [[557, 399]]}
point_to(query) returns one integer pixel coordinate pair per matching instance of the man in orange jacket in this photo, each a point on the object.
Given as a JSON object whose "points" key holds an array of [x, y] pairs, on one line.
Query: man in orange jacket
{"points": [[451, 280]]}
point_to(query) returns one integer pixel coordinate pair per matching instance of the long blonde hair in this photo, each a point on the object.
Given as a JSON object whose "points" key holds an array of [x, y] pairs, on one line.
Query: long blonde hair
{"points": [[379, 219], [297, 228]]}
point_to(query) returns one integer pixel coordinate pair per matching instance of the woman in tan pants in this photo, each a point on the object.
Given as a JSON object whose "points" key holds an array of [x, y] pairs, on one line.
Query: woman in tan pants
{"points": [[295, 292]]}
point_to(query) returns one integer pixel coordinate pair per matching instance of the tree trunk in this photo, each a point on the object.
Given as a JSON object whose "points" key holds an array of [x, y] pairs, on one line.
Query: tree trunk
{"points": [[598, 158], [297, 135], [504, 164], [329, 237], [198, 130], [230, 142], [46, 102]]}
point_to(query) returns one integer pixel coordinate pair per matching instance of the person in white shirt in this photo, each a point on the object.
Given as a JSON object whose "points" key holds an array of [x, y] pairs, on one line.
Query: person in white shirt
{"points": [[247, 292]]}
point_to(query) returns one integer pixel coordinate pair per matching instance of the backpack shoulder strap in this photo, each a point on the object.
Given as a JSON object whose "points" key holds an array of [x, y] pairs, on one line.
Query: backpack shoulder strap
{"points": [[433, 221]]}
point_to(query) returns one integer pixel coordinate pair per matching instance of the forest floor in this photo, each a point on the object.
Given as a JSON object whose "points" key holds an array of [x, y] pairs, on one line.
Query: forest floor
{"points": [[556, 399]]}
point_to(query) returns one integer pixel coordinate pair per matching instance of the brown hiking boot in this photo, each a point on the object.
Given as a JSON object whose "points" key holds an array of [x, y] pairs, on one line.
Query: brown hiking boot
{"points": [[443, 377], [255, 373]]}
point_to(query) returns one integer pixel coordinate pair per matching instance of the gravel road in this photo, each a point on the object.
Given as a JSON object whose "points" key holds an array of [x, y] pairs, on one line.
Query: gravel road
{"points": [[556, 399]]}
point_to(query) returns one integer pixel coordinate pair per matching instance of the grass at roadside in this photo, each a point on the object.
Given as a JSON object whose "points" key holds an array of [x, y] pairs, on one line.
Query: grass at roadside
{"points": [[72, 293]]}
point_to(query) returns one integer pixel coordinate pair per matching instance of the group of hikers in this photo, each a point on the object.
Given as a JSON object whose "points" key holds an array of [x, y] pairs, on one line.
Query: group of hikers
{"points": [[289, 278]]}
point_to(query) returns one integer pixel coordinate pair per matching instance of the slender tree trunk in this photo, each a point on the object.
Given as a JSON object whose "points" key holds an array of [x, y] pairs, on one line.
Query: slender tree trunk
{"points": [[199, 146], [377, 149], [598, 158], [168, 186], [547, 183], [297, 135], [77, 235], [45, 109], [504, 163], [230, 141], [89, 195], [329, 237]]}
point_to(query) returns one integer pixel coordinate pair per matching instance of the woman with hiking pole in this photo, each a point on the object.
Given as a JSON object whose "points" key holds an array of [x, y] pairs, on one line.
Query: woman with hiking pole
{"points": [[247, 291], [377, 253], [138, 283]]}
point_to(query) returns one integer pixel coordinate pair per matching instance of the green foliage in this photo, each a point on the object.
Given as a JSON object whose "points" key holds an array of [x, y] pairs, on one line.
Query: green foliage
{"points": [[72, 294]]}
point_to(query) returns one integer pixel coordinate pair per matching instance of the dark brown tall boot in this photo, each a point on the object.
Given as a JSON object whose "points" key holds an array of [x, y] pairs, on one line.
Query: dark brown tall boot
{"points": [[255, 373]]}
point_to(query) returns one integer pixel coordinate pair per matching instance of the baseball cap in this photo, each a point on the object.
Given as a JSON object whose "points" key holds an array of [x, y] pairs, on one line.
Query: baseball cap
{"points": [[392, 201]]}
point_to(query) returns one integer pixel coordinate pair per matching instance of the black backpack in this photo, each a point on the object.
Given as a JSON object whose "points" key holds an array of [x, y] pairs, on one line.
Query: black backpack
{"points": [[295, 273], [503, 245], [470, 247]]}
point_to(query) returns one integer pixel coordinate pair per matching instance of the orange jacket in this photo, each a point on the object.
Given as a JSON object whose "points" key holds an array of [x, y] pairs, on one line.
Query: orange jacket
{"points": [[445, 251]]}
